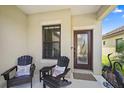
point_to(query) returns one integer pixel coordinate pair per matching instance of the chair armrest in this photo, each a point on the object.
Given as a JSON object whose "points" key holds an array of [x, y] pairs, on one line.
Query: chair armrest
{"points": [[47, 69], [63, 74], [32, 68], [6, 73]]}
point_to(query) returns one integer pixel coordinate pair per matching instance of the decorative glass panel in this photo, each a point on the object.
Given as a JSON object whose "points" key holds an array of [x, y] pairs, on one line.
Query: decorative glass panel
{"points": [[82, 49]]}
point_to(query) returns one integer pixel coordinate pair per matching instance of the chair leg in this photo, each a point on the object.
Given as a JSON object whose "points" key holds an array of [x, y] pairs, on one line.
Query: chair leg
{"points": [[44, 85], [31, 83], [40, 76], [7, 84]]}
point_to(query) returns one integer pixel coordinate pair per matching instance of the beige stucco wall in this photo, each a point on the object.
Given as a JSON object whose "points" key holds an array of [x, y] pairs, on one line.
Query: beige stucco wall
{"points": [[110, 44], [84, 20], [13, 25], [89, 21]]}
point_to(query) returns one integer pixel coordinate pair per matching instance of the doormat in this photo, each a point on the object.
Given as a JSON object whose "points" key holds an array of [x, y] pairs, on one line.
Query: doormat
{"points": [[84, 76]]}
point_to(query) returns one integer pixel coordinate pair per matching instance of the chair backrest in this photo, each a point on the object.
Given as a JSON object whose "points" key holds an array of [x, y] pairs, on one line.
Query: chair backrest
{"points": [[63, 61], [25, 60]]}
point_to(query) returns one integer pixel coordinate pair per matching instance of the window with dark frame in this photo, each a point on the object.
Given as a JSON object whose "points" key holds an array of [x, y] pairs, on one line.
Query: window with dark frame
{"points": [[51, 41], [118, 42]]}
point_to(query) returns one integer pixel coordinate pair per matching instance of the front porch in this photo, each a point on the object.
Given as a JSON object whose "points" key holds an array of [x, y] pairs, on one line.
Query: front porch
{"points": [[24, 32]]}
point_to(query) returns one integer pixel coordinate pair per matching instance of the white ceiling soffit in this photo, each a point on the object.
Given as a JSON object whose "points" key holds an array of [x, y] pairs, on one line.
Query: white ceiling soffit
{"points": [[75, 9]]}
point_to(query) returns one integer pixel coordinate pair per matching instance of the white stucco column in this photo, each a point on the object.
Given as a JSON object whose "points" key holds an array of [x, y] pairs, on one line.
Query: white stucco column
{"points": [[97, 48]]}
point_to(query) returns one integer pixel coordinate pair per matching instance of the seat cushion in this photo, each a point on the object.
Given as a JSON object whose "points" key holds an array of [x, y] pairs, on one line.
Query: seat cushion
{"points": [[57, 70], [23, 70]]}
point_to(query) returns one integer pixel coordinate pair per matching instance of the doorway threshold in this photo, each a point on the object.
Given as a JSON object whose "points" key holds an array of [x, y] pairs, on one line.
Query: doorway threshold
{"points": [[83, 71]]}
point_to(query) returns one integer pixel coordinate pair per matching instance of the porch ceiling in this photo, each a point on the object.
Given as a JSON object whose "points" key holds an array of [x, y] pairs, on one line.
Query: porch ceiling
{"points": [[75, 9]]}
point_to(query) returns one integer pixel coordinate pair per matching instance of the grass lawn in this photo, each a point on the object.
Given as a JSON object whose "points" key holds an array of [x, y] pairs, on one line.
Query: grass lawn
{"points": [[104, 60]]}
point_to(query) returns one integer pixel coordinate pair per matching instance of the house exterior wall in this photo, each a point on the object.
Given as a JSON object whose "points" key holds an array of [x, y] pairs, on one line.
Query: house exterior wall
{"points": [[110, 44], [68, 25], [13, 27]]}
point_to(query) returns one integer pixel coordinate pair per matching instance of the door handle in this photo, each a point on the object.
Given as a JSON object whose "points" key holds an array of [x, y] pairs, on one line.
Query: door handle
{"points": [[74, 50]]}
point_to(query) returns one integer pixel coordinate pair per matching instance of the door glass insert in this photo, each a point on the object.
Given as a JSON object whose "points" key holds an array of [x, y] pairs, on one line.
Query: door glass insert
{"points": [[82, 48]]}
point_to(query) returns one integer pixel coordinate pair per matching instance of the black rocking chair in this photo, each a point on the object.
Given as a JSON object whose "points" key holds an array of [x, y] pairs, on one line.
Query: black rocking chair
{"points": [[58, 81]]}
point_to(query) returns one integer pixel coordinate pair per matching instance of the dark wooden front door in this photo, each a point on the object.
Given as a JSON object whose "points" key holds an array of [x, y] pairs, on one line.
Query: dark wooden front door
{"points": [[83, 49]]}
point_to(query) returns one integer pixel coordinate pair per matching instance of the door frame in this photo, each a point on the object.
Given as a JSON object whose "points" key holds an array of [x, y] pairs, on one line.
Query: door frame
{"points": [[90, 49]]}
